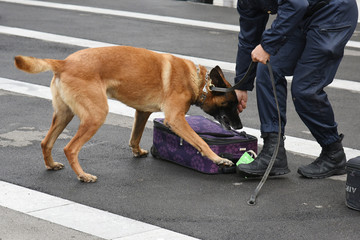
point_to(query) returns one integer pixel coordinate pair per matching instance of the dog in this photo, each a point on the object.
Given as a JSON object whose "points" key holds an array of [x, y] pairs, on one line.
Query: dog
{"points": [[142, 79]]}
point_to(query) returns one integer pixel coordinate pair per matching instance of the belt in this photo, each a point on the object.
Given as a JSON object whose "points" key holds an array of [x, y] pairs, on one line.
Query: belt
{"points": [[316, 7]]}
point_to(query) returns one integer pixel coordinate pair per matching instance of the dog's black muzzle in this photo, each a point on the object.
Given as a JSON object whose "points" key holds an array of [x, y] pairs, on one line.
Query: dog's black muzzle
{"points": [[228, 122]]}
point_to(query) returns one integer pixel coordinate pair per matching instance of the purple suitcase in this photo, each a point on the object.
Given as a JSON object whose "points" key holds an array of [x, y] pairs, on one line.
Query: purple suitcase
{"points": [[226, 143]]}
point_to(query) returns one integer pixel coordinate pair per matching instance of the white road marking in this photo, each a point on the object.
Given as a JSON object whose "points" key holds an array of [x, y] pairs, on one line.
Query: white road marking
{"points": [[137, 15], [80, 217], [127, 14], [348, 85], [293, 144], [226, 66]]}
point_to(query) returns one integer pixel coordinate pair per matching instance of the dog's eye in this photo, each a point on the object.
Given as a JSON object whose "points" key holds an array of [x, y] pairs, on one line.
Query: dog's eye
{"points": [[224, 104]]}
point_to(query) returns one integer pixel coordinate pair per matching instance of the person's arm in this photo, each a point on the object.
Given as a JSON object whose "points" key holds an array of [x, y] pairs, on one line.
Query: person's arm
{"points": [[290, 13], [252, 25]]}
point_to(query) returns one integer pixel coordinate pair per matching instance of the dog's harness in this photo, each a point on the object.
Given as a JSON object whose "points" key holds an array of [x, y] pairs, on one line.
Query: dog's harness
{"points": [[209, 86], [225, 90]]}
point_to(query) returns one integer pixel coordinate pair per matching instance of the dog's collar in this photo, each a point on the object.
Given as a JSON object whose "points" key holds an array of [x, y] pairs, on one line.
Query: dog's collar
{"points": [[206, 89]]}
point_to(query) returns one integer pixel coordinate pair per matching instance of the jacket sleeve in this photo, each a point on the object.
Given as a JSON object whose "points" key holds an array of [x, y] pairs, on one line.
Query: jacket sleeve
{"points": [[290, 13], [252, 25], [252, 32]]}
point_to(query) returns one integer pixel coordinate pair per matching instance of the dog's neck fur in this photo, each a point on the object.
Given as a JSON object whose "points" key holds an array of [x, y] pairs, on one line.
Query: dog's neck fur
{"points": [[202, 85]]}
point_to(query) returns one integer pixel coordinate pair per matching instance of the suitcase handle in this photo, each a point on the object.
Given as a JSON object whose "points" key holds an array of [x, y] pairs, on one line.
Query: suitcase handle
{"points": [[222, 134], [216, 134]]}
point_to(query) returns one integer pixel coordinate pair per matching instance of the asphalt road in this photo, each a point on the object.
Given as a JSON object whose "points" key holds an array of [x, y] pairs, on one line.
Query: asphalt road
{"points": [[151, 190]]}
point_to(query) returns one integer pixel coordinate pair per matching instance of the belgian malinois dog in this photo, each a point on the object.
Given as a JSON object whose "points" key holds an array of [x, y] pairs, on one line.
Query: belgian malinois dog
{"points": [[140, 78]]}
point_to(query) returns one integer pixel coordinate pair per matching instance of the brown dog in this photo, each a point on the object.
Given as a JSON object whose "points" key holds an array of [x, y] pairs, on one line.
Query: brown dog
{"points": [[142, 79]]}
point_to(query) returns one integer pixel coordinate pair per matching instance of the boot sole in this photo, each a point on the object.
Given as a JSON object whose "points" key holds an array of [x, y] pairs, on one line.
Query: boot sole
{"points": [[273, 172], [324, 175]]}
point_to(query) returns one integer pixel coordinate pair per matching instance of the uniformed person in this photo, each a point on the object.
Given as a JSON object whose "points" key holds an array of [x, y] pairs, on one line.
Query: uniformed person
{"points": [[306, 40]]}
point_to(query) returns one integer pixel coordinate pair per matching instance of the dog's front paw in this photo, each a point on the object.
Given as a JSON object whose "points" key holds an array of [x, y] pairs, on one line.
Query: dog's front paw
{"points": [[224, 161], [141, 153], [56, 166], [85, 177]]}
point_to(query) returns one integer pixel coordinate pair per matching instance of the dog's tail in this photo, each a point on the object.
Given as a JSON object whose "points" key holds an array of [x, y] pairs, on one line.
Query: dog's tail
{"points": [[36, 65]]}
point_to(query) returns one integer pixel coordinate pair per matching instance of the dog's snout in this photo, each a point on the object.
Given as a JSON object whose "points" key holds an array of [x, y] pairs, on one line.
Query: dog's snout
{"points": [[238, 126], [236, 122]]}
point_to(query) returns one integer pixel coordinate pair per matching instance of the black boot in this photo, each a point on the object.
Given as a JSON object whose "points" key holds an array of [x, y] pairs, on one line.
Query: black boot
{"points": [[331, 161], [261, 162]]}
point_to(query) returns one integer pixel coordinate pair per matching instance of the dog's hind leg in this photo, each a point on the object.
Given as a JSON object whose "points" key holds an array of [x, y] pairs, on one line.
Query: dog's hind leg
{"points": [[61, 117], [88, 127], [91, 107], [136, 133], [60, 120], [86, 130]]}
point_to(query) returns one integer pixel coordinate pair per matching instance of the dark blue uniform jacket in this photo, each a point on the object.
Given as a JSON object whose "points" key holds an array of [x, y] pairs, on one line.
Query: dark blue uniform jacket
{"points": [[254, 15]]}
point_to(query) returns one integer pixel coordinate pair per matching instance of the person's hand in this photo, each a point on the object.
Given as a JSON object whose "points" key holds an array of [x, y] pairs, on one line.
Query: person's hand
{"points": [[242, 97], [260, 55]]}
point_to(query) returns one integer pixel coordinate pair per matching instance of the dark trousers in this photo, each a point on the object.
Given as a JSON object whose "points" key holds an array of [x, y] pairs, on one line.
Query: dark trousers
{"points": [[312, 55]]}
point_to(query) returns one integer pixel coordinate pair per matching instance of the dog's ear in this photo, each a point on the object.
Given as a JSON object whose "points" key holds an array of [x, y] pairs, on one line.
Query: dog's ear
{"points": [[217, 77]]}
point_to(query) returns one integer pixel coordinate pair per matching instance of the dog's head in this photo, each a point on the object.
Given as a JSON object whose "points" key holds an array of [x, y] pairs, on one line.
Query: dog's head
{"points": [[222, 106]]}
